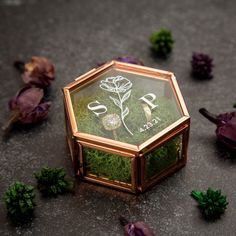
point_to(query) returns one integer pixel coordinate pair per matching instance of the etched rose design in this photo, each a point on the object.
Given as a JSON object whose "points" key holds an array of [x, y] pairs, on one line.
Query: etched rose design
{"points": [[118, 84], [122, 87]]}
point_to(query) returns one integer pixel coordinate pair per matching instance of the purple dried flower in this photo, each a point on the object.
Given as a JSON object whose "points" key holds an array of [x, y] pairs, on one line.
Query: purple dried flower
{"points": [[27, 107], [38, 72], [129, 59], [126, 59], [226, 127], [202, 65], [138, 228]]}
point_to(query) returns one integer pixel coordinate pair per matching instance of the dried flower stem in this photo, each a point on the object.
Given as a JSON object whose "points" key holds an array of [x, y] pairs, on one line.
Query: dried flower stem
{"points": [[211, 117], [8, 125]]}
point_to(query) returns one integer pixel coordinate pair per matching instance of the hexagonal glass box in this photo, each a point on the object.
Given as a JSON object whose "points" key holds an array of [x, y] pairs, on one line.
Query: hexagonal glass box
{"points": [[127, 125]]}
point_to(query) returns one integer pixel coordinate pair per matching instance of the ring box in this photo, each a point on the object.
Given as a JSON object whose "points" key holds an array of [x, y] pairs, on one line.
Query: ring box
{"points": [[127, 126]]}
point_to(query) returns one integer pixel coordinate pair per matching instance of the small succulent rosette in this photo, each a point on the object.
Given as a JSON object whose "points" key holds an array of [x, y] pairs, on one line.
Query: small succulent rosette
{"points": [[19, 201], [162, 42], [202, 66], [51, 182], [211, 203]]}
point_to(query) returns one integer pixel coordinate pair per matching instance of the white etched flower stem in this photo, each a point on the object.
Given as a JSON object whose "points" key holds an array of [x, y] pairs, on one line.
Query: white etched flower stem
{"points": [[121, 108]]}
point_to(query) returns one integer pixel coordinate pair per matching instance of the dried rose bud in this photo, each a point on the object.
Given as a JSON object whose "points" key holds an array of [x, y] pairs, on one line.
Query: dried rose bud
{"points": [[126, 59], [202, 65], [129, 59], [27, 107], [138, 228], [226, 127], [39, 72]]}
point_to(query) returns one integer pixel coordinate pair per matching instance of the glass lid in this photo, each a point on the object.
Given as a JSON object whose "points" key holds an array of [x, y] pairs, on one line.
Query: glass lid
{"points": [[125, 106]]}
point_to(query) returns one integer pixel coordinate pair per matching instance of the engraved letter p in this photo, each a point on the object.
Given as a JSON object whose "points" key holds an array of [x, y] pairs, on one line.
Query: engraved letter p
{"points": [[149, 98]]}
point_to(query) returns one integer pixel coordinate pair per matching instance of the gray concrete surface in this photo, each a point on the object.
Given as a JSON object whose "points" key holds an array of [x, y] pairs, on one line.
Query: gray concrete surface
{"points": [[75, 35]]}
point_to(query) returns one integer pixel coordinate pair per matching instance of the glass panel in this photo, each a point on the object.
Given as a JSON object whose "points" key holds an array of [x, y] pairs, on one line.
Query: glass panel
{"points": [[125, 106], [107, 165], [163, 157]]}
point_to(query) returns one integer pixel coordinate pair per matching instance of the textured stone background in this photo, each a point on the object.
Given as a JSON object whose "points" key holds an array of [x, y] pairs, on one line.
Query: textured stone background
{"points": [[75, 35]]}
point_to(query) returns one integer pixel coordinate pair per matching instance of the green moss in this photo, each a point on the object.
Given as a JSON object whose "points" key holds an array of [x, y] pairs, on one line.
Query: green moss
{"points": [[162, 157], [107, 165]]}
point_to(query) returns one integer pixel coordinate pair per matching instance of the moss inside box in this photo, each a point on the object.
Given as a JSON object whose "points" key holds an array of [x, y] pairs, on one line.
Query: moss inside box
{"points": [[107, 165], [115, 167], [163, 157], [118, 168]]}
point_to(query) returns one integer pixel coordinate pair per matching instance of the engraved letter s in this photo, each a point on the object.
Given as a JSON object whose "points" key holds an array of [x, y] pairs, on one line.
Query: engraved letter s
{"points": [[97, 109]]}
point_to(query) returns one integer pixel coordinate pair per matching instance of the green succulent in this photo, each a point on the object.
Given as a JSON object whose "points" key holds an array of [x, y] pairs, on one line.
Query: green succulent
{"points": [[162, 42], [19, 202], [234, 105], [212, 203], [51, 182]]}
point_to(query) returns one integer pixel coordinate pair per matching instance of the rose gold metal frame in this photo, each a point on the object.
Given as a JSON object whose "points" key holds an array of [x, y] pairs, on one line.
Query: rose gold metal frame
{"points": [[77, 140]]}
